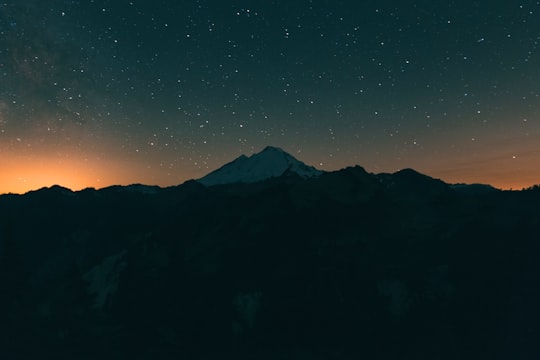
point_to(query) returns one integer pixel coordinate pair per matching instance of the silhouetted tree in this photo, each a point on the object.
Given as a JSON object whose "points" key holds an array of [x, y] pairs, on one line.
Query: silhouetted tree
{"points": [[535, 188]]}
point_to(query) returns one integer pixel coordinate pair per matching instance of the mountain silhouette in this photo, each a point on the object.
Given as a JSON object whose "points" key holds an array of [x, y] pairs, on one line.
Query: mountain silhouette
{"points": [[279, 261]]}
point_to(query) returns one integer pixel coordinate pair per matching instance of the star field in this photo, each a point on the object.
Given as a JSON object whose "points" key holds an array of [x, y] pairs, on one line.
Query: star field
{"points": [[95, 93]]}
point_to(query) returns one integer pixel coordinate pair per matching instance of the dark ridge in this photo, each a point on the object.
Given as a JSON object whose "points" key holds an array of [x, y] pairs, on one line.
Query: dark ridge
{"points": [[346, 265]]}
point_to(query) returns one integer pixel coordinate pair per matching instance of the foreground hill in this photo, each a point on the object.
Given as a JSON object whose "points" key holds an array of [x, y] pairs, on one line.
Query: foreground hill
{"points": [[342, 265]]}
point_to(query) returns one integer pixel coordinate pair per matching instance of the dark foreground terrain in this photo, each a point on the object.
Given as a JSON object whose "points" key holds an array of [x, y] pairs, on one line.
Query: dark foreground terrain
{"points": [[347, 265]]}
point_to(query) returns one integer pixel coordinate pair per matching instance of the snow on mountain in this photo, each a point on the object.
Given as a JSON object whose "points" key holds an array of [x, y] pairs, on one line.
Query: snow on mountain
{"points": [[269, 163]]}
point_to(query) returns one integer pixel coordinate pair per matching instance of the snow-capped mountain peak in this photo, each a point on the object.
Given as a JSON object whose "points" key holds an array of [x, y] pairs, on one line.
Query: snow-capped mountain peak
{"points": [[269, 163]]}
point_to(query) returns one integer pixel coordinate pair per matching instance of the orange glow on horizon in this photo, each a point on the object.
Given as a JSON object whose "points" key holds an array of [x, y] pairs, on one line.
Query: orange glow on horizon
{"points": [[20, 176], [501, 171], [23, 173]]}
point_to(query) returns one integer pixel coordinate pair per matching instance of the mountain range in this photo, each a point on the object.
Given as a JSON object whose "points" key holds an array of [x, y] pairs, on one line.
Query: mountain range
{"points": [[268, 258]]}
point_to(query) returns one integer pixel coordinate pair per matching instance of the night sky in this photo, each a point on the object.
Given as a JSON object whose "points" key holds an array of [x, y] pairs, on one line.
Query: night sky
{"points": [[95, 93]]}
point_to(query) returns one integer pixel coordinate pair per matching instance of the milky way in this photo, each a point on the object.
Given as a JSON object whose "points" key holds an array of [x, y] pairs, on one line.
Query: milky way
{"points": [[94, 93]]}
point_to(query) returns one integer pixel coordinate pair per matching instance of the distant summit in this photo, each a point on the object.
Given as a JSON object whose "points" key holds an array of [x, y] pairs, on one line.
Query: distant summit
{"points": [[271, 162]]}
